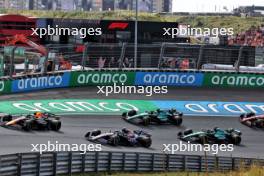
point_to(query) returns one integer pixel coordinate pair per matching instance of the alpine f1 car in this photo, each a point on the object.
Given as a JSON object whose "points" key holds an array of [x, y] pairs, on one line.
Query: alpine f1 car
{"points": [[252, 120], [159, 117], [123, 137], [36, 121], [215, 136]]}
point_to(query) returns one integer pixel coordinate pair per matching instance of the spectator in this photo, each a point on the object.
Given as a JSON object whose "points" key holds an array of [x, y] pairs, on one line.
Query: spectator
{"points": [[49, 66], [63, 64], [101, 62], [252, 37], [113, 63]]}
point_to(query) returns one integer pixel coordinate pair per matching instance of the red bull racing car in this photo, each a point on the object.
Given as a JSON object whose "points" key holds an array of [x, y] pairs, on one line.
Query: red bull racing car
{"points": [[252, 120], [36, 121]]}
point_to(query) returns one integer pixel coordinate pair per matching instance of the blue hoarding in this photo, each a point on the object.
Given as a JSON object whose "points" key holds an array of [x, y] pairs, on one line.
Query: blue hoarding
{"points": [[210, 108], [169, 78], [43, 82]]}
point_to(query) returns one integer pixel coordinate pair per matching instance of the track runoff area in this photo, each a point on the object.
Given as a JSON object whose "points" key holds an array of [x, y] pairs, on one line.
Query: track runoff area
{"points": [[82, 110]]}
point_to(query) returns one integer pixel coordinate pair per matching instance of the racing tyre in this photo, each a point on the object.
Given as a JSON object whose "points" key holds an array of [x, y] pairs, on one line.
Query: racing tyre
{"points": [[203, 140], [176, 120], [259, 123], [114, 140], [132, 113], [144, 141], [180, 134], [146, 121], [27, 125], [236, 139], [7, 118], [124, 114], [188, 131], [55, 125], [242, 116]]}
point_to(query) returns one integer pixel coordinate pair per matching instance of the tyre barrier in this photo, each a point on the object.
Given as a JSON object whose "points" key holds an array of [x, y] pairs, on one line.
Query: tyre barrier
{"points": [[54, 163]]}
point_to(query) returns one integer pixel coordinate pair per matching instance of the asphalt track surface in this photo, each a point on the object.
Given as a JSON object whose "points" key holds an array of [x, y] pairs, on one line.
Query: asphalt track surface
{"points": [[74, 127]]}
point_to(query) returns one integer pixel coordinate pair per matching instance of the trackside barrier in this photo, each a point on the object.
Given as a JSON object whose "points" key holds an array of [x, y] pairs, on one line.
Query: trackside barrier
{"points": [[144, 77], [73, 162]]}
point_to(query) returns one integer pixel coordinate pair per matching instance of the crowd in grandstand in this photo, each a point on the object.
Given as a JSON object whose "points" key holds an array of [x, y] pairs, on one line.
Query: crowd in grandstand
{"points": [[252, 37]]}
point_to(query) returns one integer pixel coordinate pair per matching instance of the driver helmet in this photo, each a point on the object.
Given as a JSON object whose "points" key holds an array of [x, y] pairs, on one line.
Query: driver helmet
{"points": [[125, 130], [230, 129], [173, 110], [216, 128], [38, 114]]}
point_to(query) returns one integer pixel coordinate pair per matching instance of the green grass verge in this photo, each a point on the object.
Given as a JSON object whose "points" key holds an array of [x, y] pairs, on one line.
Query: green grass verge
{"points": [[238, 23], [254, 171]]}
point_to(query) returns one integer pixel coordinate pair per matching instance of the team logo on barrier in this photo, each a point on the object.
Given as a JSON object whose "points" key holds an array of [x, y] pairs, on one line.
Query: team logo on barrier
{"points": [[238, 80], [102, 78], [233, 80], [41, 82], [169, 78]]}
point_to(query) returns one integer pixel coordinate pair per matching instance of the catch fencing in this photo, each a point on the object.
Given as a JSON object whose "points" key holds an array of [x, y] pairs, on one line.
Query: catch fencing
{"points": [[34, 164], [121, 56]]}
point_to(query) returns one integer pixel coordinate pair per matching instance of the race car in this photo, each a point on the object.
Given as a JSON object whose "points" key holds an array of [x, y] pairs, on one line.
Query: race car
{"points": [[149, 117], [252, 120], [36, 121], [215, 136], [124, 137]]}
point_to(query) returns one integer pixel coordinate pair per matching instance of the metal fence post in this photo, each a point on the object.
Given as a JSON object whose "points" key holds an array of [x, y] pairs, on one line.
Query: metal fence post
{"points": [[201, 51], [12, 61], [216, 163], [55, 163], [137, 162], [83, 163], [70, 164], [233, 164], [45, 63], [122, 55], [84, 56], [168, 163], [19, 163], [110, 156], [38, 164], [124, 162], [184, 162], [200, 163], [237, 64], [162, 49], [152, 161], [96, 161]]}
